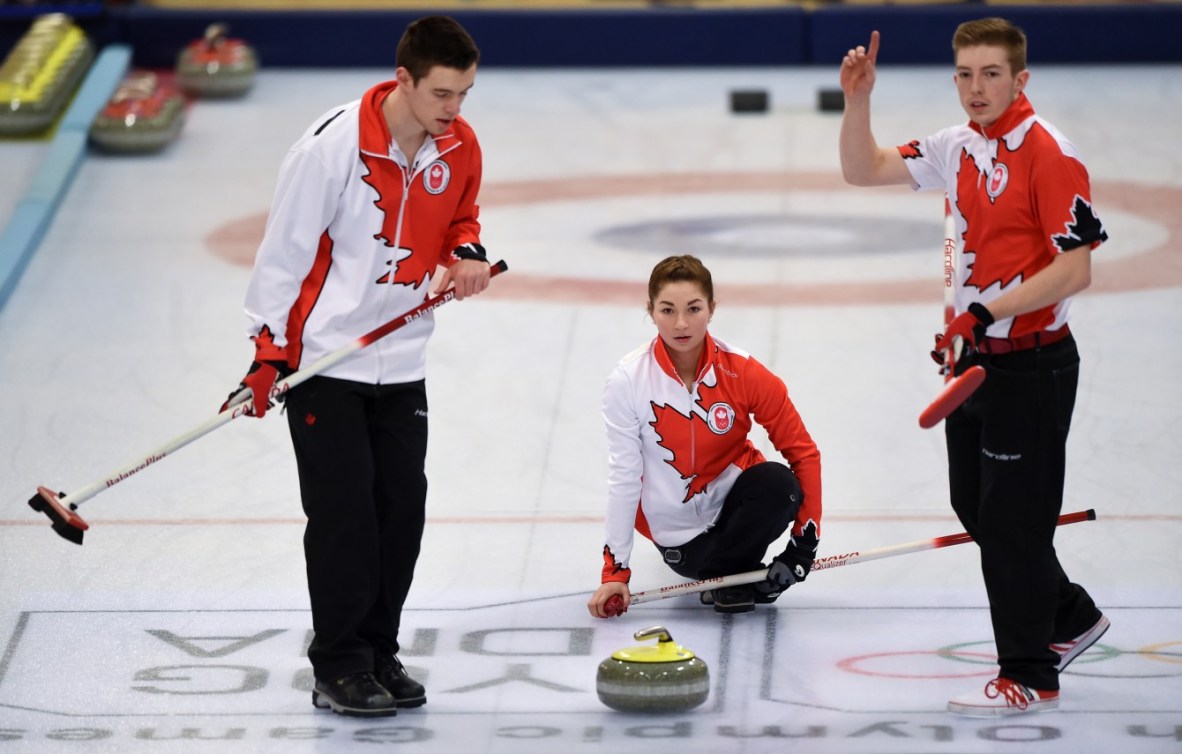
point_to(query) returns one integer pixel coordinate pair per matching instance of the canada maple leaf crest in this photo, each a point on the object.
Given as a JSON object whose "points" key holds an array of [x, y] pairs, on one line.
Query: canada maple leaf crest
{"points": [[385, 178]]}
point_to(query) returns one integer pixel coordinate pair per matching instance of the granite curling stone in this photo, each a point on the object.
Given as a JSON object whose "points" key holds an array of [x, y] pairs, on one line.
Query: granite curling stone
{"points": [[144, 115], [666, 677], [217, 66], [41, 74]]}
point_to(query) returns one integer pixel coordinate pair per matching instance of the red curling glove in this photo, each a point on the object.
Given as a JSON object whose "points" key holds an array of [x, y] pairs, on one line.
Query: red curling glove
{"points": [[269, 366], [970, 327]]}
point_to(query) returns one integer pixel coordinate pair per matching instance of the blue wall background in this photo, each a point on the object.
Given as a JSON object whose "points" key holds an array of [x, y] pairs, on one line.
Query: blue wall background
{"points": [[658, 36]]}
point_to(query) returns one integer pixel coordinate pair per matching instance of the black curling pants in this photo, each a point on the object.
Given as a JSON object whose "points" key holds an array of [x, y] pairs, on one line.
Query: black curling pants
{"points": [[760, 507], [360, 451], [1006, 466]]}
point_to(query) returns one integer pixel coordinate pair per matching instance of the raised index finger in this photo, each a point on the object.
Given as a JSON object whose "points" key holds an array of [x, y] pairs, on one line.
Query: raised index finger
{"points": [[872, 53]]}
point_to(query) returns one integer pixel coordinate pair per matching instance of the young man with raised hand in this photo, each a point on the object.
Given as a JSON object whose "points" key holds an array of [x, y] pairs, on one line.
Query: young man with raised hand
{"points": [[1021, 199]]}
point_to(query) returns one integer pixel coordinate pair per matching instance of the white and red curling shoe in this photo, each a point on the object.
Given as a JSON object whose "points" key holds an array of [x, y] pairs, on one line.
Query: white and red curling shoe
{"points": [[1069, 650], [1001, 697]]}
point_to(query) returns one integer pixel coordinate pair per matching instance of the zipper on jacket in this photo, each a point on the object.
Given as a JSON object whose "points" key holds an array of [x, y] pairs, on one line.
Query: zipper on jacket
{"points": [[406, 180], [693, 396], [693, 393], [693, 439], [409, 173], [397, 241]]}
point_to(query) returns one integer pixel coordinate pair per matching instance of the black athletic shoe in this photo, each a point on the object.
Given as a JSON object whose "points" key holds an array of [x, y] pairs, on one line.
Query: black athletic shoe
{"points": [[734, 599], [407, 692], [765, 594], [761, 597], [356, 695]]}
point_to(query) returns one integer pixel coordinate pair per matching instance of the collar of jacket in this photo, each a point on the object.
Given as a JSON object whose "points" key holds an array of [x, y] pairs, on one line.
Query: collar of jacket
{"points": [[661, 353], [1018, 111], [374, 136]]}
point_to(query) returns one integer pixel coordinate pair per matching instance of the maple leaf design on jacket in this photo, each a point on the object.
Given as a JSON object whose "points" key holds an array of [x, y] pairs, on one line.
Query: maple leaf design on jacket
{"points": [[982, 277], [1083, 230], [699, 454], [400, 254], [910, 150], [386, 178], [611, 565]]}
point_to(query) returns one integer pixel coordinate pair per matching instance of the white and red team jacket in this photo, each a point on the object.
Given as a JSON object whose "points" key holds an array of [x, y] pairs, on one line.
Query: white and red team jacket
{"points": [[355, 233], [1020, 195], [673, 456]]}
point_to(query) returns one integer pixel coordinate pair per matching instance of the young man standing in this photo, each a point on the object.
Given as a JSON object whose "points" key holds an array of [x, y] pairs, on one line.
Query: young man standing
{"points": [[1022, 203], [371, 200]]}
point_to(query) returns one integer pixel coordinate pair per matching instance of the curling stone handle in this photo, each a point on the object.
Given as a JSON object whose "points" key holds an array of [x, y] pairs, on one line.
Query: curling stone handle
{"points": [[660, 632]]}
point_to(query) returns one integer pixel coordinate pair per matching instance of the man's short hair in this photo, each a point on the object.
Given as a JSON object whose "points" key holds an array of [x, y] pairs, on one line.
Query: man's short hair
{"points": [[432, 41], [993, 32]]}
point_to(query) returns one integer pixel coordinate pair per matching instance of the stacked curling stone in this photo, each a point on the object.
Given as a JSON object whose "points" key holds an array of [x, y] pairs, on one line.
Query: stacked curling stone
{"points": [[217, 66], [39, 76], [144, 115], [666, 677]]}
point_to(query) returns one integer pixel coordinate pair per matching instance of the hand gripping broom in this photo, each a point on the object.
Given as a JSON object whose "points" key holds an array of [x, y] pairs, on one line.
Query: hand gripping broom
{"points": [[957, 389], [615, 604], [61, 507]]}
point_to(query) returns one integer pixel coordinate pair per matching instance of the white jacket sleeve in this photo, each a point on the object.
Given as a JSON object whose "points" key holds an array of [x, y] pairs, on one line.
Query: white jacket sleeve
{"points": [[625, 465], [926, 160], [305, 201]]}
